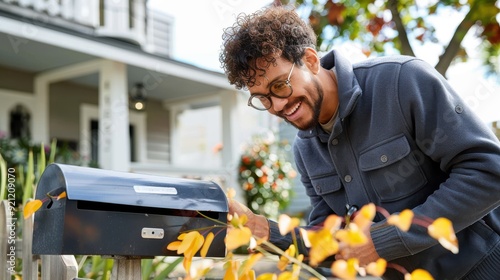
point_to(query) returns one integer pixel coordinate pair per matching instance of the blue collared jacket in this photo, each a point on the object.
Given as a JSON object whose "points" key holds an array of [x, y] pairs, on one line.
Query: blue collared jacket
{"points": [[403, 139]]}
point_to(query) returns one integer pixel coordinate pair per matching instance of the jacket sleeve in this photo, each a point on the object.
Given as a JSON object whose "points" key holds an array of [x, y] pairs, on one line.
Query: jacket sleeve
{"points": [[446, 130]]}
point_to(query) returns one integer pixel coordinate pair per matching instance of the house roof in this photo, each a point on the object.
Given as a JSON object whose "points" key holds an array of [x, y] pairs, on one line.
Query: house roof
{"points": [[36, 43]]}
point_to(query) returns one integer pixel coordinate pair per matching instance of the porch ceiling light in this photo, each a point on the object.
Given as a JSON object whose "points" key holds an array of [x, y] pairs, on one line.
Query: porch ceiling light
{"points": [[138, 97]]}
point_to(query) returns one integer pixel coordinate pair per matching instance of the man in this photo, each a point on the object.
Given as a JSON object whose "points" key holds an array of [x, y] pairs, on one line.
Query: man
{"points": [[388, 130]]}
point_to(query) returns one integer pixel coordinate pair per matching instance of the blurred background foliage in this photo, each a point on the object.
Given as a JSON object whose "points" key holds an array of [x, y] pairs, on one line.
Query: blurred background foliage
{"points": [[265, 175], [388, 26]]}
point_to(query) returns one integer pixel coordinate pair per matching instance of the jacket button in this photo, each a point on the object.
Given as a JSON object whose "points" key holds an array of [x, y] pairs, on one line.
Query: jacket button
{"points": [[335, 141], [383, 158], [348, 178]]}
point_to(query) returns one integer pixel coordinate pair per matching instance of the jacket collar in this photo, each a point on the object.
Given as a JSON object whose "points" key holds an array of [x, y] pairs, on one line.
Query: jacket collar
{"points": [[348, 91]]}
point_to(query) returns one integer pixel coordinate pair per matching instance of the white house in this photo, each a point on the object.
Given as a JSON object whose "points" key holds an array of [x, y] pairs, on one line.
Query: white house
{"points": [[74, 69]]}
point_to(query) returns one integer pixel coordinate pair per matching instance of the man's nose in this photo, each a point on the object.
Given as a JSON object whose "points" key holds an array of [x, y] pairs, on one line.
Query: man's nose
{"points": [[279, 103]]}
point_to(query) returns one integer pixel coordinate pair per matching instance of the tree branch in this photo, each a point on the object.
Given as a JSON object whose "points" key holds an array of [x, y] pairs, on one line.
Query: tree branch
{"points": [[454, 46], [406, 48]]}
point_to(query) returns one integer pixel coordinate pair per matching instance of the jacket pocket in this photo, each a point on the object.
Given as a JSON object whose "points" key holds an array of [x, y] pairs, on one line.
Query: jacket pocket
{"points": [[327, 189], [326, 184], [392, 169]]}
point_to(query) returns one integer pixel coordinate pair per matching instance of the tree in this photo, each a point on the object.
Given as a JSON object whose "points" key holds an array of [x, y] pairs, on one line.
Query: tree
{"points": [[380, 26]]}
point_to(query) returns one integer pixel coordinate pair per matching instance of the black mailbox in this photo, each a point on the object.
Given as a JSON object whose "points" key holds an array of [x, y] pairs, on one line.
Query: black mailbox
{"points": [[123, 214]]}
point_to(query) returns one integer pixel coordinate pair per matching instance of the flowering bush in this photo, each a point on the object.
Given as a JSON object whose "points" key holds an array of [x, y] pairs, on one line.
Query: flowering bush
{"points": [[335, 235], [265, 175], [15, 151]]}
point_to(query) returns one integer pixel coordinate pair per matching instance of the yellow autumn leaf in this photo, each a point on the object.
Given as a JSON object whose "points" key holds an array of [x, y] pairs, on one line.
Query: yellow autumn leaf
{"points": [[285, 258], [61, 196], [187, 244], [346, 270], [266, 276], [296, 266], [364, 217], [249, 275], [442, 230], [237, 237], [377, 268], [332, 223], [352, 235], [198, 243], [194, 245], [206, 245], [419, 274], [250, 262], [231, 268], [174, 245], [237, 221], [287, 224], [186, 263], [188, 241], [402, 220], [181, 236], [323, 245], [31, 207], [243, 220]]}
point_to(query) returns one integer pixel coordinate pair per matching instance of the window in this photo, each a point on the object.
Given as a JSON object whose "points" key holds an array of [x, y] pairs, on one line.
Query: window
{"points": [[94, 146], [20, 119], [89, 130], [198, 133]]}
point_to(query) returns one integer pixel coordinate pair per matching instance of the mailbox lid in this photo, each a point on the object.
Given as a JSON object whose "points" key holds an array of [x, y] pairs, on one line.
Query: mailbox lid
{"points": [[106, 186]]}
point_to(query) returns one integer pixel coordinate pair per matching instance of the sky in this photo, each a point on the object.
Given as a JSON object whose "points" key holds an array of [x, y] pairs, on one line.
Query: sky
{"points": [[198, 26], [198, 29]]}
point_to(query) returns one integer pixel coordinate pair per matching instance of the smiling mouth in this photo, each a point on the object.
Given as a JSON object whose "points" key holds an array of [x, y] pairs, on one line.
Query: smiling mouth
{"points": [[290, 112]]}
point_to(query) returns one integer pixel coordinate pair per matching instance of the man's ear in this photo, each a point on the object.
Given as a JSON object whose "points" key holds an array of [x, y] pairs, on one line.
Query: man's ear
{"points": [[311, 60]]}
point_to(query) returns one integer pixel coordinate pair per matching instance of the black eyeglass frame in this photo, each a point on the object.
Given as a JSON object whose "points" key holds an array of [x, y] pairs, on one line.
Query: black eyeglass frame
{"points": [[271, 93]]}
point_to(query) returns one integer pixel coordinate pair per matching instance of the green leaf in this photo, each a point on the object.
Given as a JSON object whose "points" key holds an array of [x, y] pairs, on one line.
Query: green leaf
{"points": [[41, 162], [147, 268], [28, 183], [108, 267], [3, 178], [53, 147], [170, 267]]}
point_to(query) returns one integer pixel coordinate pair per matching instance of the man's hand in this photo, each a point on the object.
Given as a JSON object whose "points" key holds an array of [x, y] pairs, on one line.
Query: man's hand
{"points": [[365, 253], [258, 224]]}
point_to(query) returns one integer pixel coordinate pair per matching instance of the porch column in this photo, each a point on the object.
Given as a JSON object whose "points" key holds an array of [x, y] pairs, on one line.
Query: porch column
{"points": [[40, 118], [114, 141], [229, 128]]}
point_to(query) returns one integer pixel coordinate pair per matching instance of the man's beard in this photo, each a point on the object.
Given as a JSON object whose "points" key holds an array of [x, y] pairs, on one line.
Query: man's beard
{"points": [[316, 108]]}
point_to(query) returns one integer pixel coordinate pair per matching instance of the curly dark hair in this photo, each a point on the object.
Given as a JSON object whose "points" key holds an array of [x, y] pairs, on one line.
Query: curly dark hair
{"points": [[266, 34]]}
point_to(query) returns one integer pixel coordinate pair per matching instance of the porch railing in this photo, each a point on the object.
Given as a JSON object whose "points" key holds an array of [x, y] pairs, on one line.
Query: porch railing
{"points": [[57, 267], [127, 20]]}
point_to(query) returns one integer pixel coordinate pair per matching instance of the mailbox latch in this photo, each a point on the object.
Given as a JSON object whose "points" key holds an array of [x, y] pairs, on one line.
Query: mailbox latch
{"points": [[152, 233]]}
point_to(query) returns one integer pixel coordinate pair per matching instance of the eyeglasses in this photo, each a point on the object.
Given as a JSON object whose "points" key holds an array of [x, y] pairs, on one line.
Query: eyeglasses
{"points": [[278, 89]]}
